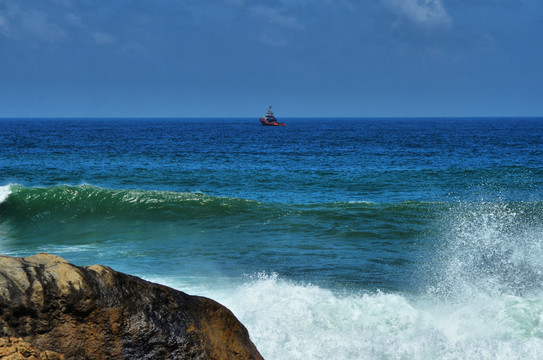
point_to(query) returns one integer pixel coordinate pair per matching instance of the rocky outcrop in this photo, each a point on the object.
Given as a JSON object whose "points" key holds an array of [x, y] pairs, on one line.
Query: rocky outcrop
{"points": [[98, 313]]}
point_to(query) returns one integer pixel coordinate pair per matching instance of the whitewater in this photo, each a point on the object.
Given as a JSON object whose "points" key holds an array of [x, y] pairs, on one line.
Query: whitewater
{"points": [[484, 300], [346, 239]]}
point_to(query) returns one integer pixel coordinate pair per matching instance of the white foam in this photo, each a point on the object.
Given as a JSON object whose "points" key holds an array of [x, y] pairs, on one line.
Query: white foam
{"points": [[5, 191], [362, 202], [68, 249], [288, 320]]}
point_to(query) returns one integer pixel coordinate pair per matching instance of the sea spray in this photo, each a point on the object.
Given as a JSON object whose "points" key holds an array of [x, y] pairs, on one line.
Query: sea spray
{"points": [[292, 320], [489, 249]]}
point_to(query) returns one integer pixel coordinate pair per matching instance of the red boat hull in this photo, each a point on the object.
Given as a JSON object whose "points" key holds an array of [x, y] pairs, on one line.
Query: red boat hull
{"points": [[267, 123]]}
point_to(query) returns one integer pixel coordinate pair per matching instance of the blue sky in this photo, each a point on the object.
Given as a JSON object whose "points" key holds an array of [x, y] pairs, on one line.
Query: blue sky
{"points": [[229, 58]]}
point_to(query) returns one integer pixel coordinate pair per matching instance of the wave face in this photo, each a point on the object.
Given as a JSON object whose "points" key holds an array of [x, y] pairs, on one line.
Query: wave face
{"points": [[449, 250], [299, 240], [62, 203]]}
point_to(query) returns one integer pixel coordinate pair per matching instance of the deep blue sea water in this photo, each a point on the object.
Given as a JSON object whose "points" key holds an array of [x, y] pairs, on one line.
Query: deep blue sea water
{"points": [[328, 238]]}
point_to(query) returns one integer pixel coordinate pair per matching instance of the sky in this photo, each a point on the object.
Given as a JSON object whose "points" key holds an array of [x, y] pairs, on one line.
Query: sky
{"points": [[307, 58]]}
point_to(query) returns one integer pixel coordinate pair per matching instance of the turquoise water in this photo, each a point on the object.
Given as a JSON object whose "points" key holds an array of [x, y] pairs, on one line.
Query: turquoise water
{"points": [[328, 238]]}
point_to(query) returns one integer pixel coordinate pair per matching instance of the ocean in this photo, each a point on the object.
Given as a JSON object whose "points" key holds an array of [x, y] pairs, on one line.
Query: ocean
{"points": [[335, 238]]}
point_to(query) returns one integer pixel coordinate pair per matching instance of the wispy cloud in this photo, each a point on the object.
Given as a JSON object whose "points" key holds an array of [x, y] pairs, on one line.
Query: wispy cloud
{"points": [[8, 11], [101, 38], [277, 24], [50, 22], [37, 24], [272, 40], [3, 25], [19, 21], [276, 17], [427, 13], [235, 2], [74, 20]]}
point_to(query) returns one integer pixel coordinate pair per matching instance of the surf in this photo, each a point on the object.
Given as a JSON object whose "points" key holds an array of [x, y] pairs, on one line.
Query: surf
{"points": [[285, 318], [479, 296]]}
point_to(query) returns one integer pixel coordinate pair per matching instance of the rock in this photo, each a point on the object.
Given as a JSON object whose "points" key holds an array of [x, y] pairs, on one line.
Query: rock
{"points": [[98, 313], [17, 349]]}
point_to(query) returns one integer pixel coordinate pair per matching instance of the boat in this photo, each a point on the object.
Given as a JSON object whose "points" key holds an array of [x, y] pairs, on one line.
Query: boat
{"points": [[270, 120]]}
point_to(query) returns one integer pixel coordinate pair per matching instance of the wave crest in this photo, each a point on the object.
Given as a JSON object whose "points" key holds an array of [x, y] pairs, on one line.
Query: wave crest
{"points": [[5, 191], [69, 202]]}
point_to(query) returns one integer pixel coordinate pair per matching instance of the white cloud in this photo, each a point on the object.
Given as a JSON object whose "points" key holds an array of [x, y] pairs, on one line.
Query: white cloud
{"points": [[101, 38], [272, 40], [274, 16], [37, 24], [75, 20], [485, 42], [429, 13], [135, 48], [3, 23], [237, 3], [8, 11], [63, 3]]}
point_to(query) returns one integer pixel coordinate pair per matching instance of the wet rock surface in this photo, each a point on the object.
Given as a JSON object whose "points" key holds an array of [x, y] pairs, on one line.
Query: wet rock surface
{"points": [[97, 313]]}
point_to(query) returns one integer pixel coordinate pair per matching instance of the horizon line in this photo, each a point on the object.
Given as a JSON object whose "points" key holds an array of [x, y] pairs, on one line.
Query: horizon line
{"points": [[251, 117]]}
